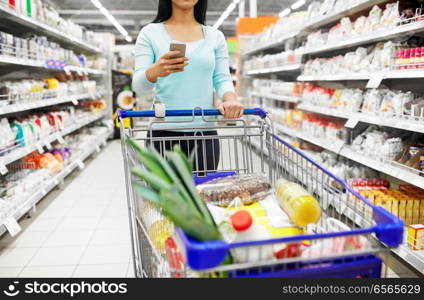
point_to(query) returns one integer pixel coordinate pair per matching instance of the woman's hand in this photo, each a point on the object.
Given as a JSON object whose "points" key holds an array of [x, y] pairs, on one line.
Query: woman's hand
{"points": [[166, 65], [231, 108]]}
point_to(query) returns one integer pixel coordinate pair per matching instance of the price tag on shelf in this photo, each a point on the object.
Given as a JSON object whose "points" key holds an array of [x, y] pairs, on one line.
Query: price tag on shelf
{"points": [[48, 145], [75, 101], [60, 138], [43, 191], [40, 148], [3, 169], [352, 122], [375, 80], [80, 164], [12, 226]]}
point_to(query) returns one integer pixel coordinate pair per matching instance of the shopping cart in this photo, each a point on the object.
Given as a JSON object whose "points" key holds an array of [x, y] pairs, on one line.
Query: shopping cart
{"points": [[159, 250]]}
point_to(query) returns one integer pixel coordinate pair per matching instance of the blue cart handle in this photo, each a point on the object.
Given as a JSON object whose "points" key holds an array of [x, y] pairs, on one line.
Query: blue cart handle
{"points": [[186, 113]]}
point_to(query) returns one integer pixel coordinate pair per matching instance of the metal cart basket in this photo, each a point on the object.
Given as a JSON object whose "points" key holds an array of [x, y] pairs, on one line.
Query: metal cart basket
{"points": [[160, 250]]}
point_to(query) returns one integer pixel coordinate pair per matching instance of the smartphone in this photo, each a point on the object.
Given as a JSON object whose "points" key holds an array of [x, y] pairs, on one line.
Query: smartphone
{"points": [[178, 47]]}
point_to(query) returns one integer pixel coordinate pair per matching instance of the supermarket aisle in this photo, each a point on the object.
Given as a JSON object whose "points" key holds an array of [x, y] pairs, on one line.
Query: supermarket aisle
{"points": [[79, 231]]}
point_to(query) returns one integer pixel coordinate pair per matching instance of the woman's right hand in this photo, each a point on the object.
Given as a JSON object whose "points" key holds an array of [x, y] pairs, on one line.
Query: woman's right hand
{"points": [[166, 65]]}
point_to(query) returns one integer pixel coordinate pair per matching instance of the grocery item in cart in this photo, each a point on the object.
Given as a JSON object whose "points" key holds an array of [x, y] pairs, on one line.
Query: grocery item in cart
{"points": [[171, 188], [300, 206], [248, 231], [249, 188]]}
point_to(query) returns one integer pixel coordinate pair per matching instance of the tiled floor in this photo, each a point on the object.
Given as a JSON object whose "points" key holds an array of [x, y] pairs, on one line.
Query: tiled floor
{"points": [[80, 230]]}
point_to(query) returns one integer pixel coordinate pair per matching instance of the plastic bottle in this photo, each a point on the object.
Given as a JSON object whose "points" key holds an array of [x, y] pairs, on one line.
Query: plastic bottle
{"points": [[300, 206], [247, 231]]}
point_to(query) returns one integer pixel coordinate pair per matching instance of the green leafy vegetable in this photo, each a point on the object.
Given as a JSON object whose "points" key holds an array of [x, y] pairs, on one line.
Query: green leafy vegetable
{"points": [[172, 188]]}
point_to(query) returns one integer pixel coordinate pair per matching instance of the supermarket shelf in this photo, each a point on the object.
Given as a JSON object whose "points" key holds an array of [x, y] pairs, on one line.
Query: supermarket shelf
{"points": [[333, 146], [414, 258], [55, 181], [339, 147], [9, 60], [405, 123], [35, 26], [286, 130], [325, 20], [273, 44], [392, 74], [280, 69], [14, 108], [283, 98], [57, 136], [325, 111], [396, 171], [328, 19], [86, 71], [378, 36]]}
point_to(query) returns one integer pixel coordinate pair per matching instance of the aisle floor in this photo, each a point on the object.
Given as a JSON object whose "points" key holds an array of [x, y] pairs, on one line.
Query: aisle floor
{"points": [[80, 230]]}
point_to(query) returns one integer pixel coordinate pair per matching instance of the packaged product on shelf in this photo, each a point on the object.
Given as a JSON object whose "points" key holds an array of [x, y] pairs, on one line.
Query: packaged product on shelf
{"points": [[300, 206], [247, 188], [416, 237]]}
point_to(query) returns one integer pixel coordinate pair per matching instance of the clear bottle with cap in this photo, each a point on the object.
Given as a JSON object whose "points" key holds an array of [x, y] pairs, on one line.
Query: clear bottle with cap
{"points": [[247, 231], [301, 207]]}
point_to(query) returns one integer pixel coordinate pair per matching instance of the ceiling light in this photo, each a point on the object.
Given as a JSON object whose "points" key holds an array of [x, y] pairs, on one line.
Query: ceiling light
{"points": [[285, 12], [112, 20], [226, 13], [298, 4]]}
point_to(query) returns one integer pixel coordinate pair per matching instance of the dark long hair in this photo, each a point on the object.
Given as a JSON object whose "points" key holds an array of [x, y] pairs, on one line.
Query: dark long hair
{"points": [[165, 11]]}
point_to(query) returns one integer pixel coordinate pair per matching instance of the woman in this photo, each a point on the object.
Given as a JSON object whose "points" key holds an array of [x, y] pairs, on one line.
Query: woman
{"points": [[187, 82]]}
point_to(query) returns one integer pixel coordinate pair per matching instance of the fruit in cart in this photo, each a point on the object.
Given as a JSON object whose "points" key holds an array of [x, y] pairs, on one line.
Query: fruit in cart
{"points": [[171, 188], [300, 206]]}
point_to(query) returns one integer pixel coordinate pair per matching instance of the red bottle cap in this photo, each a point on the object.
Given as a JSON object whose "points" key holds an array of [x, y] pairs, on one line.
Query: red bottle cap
{"points": [[241, 220]]}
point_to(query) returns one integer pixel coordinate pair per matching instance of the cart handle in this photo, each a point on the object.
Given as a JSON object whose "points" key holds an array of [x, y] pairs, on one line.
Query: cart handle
{"points": [[186, 113]]}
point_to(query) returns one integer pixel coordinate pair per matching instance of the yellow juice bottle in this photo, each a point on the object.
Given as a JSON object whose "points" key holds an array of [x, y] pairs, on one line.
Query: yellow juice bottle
{"points": [[301, 207]]}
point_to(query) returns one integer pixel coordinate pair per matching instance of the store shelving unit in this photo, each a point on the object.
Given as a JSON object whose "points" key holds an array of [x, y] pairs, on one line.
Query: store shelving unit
{"points": [[15, 23], [390, 74], [28, 63], [370, 79], [21, 152], [33, 25], [315, 24], [20, 107], [279, 69], [380, 35], [415, 124], [283, 98], [337, 15], [46, 187]]}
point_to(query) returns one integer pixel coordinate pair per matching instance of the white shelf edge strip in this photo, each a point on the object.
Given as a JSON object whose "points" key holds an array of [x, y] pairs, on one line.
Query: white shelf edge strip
{"points": [[45, 103], [373, 37], [38, 64], [320, 22], [394, 74], [49, 30], [292, 67], [399, 123], [39, 195], [24, 151], [283, 98]]}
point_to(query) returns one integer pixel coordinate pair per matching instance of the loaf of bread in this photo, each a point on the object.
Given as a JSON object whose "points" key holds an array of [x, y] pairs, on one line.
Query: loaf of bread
{"points": [[249, 188]]}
